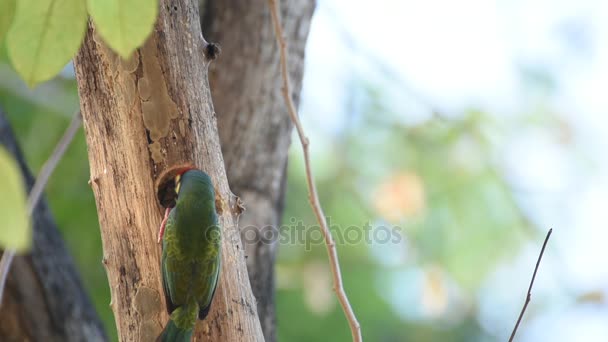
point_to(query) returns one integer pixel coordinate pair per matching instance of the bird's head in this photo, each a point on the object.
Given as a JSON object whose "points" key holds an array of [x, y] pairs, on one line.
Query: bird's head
{"points": [[179, 173], [191, 182]]}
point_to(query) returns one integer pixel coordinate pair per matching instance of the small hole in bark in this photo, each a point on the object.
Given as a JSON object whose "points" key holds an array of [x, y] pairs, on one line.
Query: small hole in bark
{"points": [[212, 51], [148, 136]]}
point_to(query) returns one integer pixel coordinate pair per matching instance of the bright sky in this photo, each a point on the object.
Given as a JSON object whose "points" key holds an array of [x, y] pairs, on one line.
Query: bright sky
{"points": [[458, 54]]}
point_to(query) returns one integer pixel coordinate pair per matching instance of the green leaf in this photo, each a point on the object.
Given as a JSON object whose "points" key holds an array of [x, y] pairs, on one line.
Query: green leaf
{"points": [[124, 24], [44, 36], [7, 11], [15, 229]]}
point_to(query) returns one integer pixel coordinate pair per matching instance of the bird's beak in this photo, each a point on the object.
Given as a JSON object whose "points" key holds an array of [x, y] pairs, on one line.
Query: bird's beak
{"points": [[178, 183]]}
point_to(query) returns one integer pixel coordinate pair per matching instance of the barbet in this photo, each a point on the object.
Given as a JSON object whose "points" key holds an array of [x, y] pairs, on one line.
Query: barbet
{"points": [[191, 260]]}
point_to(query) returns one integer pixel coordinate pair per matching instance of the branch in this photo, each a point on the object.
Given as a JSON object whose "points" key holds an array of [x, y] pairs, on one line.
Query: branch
{"points": [[529, 295], [312, 189], [34, 197]]}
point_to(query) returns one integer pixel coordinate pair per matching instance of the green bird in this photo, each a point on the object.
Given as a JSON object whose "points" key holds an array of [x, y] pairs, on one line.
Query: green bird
{"points": [[190, 262]]}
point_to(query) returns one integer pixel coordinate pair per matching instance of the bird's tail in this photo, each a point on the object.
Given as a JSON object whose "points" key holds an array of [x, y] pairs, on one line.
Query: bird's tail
{"points": [[181, 325]]}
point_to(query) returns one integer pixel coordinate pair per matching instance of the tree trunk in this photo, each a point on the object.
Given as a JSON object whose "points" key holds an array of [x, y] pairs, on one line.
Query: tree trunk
{"points": [[254, 126], [44, 299], [142, 117]]}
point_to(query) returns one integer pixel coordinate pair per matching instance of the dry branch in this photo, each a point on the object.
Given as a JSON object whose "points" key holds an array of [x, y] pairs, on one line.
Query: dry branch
{"points": [[312, 189], [529, 294]]}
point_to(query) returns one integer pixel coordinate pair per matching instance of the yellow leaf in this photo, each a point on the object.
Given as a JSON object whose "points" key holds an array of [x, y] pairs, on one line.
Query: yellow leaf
{"points": [[15, 227], [7, 11], [44, 36], [124, 24]]}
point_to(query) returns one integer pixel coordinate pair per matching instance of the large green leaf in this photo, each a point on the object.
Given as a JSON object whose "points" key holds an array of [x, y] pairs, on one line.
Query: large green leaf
{"points": [[7, 11], [44, 36], [15, 229], [124, 24]]}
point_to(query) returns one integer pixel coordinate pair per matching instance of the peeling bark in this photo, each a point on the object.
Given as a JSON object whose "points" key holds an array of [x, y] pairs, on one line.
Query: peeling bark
{"points": [[254, 126], [44, 299], [141, 117]]}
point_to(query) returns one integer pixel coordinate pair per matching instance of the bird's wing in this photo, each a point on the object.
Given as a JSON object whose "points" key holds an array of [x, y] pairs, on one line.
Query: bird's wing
{"points": [[211, 285], [209, 278], [166, 259]]}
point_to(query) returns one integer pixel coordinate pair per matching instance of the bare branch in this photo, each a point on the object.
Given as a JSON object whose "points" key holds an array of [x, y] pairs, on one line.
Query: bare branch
{"points": [[43, 177], [5, 265], [312, 189], [529, 295]]}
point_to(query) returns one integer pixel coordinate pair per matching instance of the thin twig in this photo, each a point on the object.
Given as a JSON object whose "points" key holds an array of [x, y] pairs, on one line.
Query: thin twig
{"points": [[529, 295], [312, 190], [5, 265], [36, 192]]}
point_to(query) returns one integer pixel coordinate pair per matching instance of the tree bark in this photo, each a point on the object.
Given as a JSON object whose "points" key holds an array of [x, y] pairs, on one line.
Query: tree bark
{"points": [[44, 299], [142, 117], [254, 126]]}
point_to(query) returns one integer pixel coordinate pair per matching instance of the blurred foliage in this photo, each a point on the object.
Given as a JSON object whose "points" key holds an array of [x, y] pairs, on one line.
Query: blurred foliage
{"points": [[439, 183], [454, 210], [6, 17]]}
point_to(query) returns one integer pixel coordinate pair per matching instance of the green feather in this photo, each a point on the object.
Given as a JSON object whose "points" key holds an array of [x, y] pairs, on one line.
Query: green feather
{"points": [[190, 262]]}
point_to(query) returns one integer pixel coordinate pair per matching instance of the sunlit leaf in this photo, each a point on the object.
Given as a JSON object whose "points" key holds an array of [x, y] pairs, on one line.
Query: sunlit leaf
{"points": [[317, 286], [7, 11], [124, 24], [401, 195], [44, 36], [434, 297], [15, 229]]}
